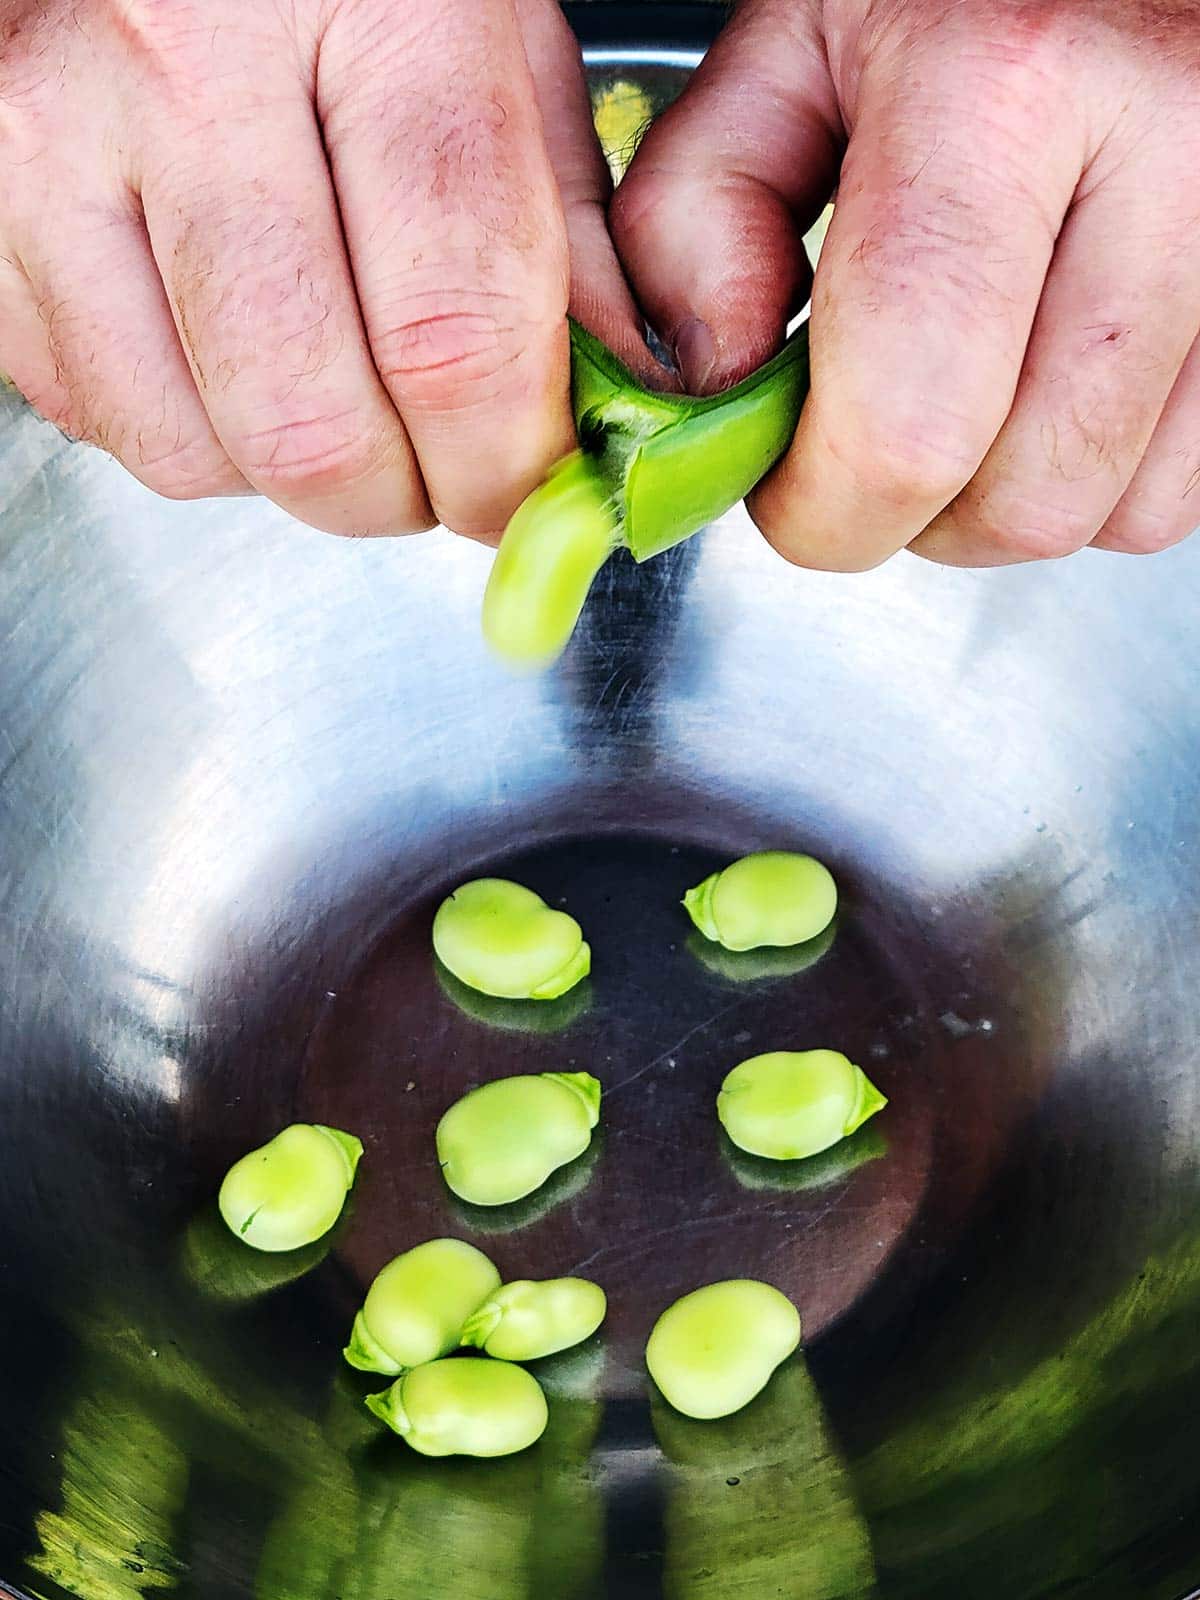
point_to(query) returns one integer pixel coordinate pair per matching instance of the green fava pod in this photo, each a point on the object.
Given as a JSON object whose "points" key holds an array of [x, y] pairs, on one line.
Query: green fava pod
{"points": [[526, 1320], [291, 1191], [465, 1407], [654, 468], [712, 1351], [771, 898], [794, 1103], [504, 940], [502, 1141], [415, 1310]]}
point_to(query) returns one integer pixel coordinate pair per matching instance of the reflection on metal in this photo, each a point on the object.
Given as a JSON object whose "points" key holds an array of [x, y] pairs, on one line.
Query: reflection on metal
{"points": [[112, 1536], [731, 1482], [622, 112], [601, 59]]}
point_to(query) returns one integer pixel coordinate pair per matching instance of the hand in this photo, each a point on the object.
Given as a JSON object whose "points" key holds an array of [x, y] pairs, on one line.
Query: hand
{"points": [[316, 250], [1006, 307]]}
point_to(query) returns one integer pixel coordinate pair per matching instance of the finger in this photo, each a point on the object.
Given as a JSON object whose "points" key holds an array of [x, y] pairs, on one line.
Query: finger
{"points": [[245, 232], [709, 219], [923, 301], [600, 296], [25, 358], [111, 371], [1119, 312], [1161, 506], [457, 240]]}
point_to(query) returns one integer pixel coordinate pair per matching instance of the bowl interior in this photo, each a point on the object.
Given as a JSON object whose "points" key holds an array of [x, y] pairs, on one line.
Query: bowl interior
{"points": [[240, 764]]}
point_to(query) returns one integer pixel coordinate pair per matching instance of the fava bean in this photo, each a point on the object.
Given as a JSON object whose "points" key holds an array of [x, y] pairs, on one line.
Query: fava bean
{"points": [[526, 1320], [773, 897], [502, 1141], [789, 1104], [415, 1310], [465, 1407], [504, 940], [712, 1351], [558, 539], [292, 1190]]}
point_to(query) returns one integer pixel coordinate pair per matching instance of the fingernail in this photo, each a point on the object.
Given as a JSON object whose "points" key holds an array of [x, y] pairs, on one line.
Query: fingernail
{"points": [[695, 353]]}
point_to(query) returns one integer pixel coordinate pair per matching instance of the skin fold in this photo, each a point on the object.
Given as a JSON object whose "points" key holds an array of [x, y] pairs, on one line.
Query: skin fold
{"points": [[324, 252]]}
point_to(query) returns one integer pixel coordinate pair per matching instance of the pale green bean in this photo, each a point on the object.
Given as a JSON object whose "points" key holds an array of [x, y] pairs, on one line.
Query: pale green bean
{"points": [[773, 897], [713, 1350], [502, 1141], [291, 1191], [793, 1103], [465, 1407], [526, 1320], [415, 1309], [558, 539], [504, 940]]}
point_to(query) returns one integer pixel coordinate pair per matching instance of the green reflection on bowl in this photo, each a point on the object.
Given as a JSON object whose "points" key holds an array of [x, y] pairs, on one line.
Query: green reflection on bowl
{"points": [[223, 1268], [810, 1172], [515, 1016], [760, 966]]}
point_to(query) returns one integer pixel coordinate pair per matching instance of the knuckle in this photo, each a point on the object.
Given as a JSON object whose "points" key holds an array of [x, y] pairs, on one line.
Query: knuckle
{"points": [[1147, 529], [799, 548], [162, 36], [193, 469], [303, 457], [448, 351], [1034, 530], [908, 460]]}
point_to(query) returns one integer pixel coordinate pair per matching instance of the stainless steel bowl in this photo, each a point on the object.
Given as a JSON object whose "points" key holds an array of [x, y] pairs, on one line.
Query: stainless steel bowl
{"points": [[240, 762]]}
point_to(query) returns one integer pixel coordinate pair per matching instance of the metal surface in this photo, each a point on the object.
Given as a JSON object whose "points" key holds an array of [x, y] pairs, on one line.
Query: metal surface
{"points": [[239, 762]]}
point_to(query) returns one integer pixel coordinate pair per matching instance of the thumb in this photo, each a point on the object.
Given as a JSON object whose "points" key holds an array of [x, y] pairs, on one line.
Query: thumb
{"points": [[710, 219]]}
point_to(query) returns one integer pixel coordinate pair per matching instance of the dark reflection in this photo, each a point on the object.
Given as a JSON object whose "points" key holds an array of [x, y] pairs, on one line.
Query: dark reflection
{"points": [[226, 1269], [138, 1419], [761, 1503], [615, 667], [563, 1184], [1067, 1443], [123, 1486], [515, 1016], [760, 966], [577, 1373], [995, 1299], [1047, 1440], [161, 1448], [834, 1165], [389, 1522]]}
